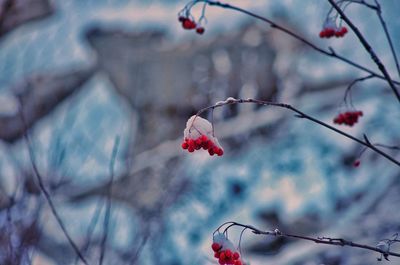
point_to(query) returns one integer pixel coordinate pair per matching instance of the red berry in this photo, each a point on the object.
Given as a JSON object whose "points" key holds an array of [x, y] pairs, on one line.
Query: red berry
{"points": [[357, 163], [228, 253], [203, 138], [191, 143], [222, 256], [199, 142], [191, 149], [238, 262], [211, 152], [200, 30], [216, 247], [217, 254], [219, 152], [185, 145], [322, 34], [343, 30], [236, 255], [329, 32], [188, 24]]}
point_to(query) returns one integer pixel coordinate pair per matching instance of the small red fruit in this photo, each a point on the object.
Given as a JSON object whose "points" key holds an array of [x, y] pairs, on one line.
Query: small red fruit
{"points": [[211, 151], [216, 247], [357, 163], [185, 145], [200, 30], [188, 24], [236, 256]]}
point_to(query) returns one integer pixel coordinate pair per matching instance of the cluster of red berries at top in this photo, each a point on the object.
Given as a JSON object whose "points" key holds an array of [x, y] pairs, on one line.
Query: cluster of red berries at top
{"points": [[190, 24], [224, 251], [202, 142], [198, 134], [348, 118], [330, 30]]}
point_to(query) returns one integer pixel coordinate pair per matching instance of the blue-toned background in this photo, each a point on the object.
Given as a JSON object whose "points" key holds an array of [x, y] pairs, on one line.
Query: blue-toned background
{"points": [[130, 71]]}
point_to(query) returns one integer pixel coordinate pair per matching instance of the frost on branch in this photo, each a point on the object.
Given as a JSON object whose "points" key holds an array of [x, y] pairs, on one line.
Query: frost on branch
{"points": [[225, 251], [199, 134]]}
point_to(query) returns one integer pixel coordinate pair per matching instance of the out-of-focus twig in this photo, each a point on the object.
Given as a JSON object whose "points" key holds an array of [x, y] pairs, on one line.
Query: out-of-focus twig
{"points": [[108, 204]]}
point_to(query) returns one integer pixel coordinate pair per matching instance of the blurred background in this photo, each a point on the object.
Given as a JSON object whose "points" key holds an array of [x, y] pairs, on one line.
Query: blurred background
{"points": [[87, 72]]}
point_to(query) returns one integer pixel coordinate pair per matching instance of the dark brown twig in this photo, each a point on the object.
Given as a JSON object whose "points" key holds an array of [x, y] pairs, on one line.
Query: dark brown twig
{"points": [[368, 48], [301, 114], [318, 240], [331, 52], [389, 39]]}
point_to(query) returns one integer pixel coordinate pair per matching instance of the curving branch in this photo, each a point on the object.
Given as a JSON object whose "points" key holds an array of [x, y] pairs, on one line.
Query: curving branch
{"points": [[330, 52], [47, 194], [368, 48], [365, 142], [350, 86], [383, 249]]}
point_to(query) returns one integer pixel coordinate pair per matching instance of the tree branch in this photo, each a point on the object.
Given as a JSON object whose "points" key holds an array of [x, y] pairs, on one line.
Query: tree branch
{"points": [[300, 114], [318, 240], [385, 29], [330, 52], [368, 48], [108, 209], [47, 195]]}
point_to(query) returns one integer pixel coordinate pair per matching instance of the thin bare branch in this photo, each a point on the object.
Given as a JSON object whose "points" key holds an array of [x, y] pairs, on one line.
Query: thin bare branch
{"points": [[385, 29], [47, 194], [368, 48], [109, 194], [330, 52], [301, 114], [318, 240]]}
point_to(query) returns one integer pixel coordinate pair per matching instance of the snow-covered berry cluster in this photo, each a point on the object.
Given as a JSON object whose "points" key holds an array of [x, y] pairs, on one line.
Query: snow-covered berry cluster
{"points": [[190, 24], [225, 251], [330, 30], [348, 118], [198, 134]]}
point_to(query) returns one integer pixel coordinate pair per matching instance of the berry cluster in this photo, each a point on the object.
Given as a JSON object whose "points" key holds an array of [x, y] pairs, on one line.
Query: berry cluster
{"points": [[226, 256], [330, 29], [190, 24], [329, 32], [348, 118], [202, 142], [224, 251], [199, 134]]}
